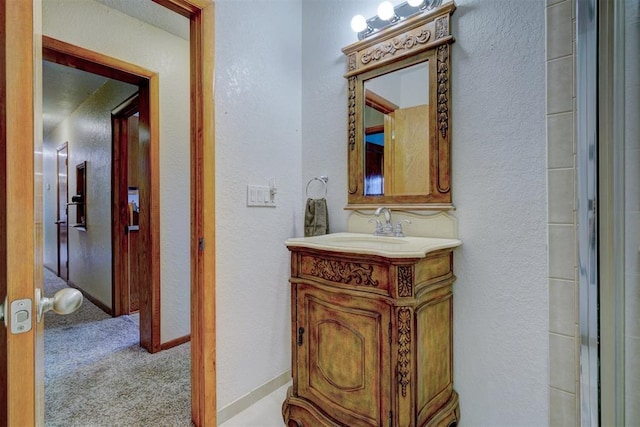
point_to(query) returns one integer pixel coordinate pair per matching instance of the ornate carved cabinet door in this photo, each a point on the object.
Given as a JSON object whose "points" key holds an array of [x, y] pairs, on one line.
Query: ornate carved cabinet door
{"points": [[343, 355]]}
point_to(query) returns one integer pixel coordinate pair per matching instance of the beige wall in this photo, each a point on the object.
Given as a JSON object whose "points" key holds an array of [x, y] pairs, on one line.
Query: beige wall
{"points": [[563, 314]]}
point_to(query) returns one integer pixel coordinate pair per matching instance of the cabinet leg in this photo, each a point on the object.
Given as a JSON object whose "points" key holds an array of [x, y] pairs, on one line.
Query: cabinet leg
{"points": [[448, 415]]}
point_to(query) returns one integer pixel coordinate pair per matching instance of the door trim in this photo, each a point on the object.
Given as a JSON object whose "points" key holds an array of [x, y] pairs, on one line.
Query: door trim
{"points": [[203, 277], [120, 295], [61, 147], [203, 273], [149, 235]]}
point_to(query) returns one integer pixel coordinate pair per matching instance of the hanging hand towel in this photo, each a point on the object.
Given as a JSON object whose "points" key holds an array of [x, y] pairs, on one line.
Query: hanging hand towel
{"points": [[316, 218]]}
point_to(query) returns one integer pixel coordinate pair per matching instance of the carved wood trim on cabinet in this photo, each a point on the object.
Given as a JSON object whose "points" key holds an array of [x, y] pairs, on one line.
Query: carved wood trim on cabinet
{"points": [[343, 272], [371, 339], [404, 348]]}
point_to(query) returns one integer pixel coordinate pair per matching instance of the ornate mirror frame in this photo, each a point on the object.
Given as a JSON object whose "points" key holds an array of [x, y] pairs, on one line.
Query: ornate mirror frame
{"points": [[423, 37]]}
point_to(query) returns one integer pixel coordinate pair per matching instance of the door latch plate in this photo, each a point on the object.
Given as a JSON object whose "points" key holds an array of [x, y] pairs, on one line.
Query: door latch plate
{"points": [[21, 311]]}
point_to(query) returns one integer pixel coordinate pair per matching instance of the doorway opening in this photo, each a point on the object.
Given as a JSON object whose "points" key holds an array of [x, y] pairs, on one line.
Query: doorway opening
{"points": [[147, 105], [126, 206], [130, 143], [62, 210]]}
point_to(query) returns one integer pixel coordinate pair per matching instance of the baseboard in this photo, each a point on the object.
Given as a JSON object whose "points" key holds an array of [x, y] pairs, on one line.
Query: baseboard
{"points": [[88, 296], [234, 408], [175, 342]]}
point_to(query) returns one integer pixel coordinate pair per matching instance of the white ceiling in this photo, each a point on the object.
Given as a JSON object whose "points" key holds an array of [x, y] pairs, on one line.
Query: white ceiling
{"points": [[153, 14], [65, 88]]}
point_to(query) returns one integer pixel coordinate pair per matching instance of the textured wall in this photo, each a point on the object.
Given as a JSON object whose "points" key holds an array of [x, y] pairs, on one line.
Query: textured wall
{"points": [[499, 189], [326, 30], [258, 137], [499, 185], [95, 27]]}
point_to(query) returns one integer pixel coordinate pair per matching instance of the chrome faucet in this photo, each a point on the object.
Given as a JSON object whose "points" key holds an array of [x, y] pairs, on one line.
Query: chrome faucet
{"points": [[387, 228], [387, 213]]}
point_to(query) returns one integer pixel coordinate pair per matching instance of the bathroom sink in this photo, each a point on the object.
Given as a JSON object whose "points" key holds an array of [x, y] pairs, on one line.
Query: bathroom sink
{"points": [[359, 243], [364, 240]]}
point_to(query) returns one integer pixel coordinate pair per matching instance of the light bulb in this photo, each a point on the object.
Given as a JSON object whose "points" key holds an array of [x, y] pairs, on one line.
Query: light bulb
{"points": [[415, 3], [358, 23], [385, 11]]}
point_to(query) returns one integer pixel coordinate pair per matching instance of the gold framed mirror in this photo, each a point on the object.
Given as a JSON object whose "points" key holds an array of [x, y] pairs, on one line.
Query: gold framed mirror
{"points": [[399, 121]]}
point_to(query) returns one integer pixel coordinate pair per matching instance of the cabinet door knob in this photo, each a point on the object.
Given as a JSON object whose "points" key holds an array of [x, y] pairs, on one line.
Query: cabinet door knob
{"points": [[300, 333]]}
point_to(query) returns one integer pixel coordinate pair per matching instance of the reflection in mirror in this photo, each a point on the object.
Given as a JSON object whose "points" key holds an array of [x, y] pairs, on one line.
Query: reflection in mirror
{"points": [[396, 132]]}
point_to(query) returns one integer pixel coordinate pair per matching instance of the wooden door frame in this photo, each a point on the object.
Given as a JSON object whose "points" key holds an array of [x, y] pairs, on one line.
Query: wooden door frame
{"points": [[19, 42], [120, 295], [201, 14], [149, 102], [59, 148], [203, 262]]}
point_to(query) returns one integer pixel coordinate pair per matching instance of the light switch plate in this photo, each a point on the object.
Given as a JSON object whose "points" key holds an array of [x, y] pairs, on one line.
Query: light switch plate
{"points": [[260, 196]]}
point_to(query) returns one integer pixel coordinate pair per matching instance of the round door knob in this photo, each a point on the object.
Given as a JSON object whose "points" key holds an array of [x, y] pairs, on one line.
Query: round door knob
{"points": [[65, 301]]}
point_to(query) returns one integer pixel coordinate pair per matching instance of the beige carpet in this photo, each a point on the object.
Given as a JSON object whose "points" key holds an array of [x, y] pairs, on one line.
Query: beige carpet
{"points": [[96, 374]]}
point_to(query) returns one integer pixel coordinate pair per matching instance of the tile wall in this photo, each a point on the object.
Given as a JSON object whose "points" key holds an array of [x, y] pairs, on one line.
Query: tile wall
{"points": [[564, 377]]}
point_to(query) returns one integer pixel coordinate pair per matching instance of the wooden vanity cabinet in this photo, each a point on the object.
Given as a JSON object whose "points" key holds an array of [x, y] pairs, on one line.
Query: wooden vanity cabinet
{"points": [[371, 340]]}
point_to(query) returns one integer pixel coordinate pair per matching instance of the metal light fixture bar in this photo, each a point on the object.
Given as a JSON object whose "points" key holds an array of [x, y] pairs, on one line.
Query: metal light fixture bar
{"points": [[401, 12]]}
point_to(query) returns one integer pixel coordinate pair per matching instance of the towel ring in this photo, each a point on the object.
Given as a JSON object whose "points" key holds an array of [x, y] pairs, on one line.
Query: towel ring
{"points": [[322, 179]]}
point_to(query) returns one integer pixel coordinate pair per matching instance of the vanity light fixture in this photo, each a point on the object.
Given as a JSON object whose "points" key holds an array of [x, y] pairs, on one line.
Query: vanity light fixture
{"points": [[359, 25], [415, 3], [386, 12], [389, 15]]}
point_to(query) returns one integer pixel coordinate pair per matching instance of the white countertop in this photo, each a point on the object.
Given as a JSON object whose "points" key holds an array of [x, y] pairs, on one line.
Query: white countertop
{"points": [[360, 243]]}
